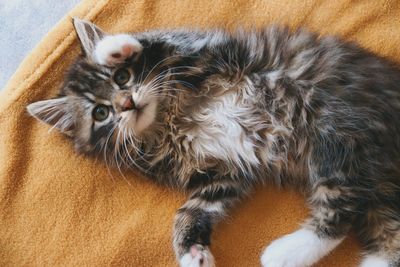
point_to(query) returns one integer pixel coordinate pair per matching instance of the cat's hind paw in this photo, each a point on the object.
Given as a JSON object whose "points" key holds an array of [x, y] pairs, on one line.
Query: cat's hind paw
{"points": [[115, 49], [302, 248], [198, 256]]}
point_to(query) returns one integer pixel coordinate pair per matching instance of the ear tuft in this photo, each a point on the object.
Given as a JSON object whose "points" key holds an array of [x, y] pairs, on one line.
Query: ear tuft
{"points": [[54, 112], [89, 35]]}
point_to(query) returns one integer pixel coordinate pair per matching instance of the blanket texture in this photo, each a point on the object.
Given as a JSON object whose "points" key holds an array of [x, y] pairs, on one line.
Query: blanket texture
{"points": [[58, 208]]}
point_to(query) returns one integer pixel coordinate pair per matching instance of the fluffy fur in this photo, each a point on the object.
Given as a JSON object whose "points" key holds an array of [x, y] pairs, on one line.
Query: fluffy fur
{"points": [[218, 113]]}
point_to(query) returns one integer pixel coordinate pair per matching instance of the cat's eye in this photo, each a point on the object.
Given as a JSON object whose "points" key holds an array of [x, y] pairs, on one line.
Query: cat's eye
{"points": [[100, 112], [122, 76]]}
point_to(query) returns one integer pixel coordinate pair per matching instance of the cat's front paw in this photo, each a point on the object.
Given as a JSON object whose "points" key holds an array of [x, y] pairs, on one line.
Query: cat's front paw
{"points": [[115, 49], [198, 256]]}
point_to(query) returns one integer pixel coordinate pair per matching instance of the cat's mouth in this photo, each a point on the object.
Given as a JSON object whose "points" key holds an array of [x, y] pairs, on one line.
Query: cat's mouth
{"points": [[141, 117], [140, 109]]}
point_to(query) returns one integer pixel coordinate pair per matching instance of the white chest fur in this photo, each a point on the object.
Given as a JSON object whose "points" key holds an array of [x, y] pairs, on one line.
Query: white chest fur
{"points": [[220, 132]]}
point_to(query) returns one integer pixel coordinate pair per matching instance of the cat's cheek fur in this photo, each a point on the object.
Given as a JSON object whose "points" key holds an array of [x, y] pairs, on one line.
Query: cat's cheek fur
{"points": [[299, 249], [115, 49]]}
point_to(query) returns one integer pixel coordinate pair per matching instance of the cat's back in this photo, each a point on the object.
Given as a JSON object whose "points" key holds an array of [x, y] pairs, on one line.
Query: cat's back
{"points": [[341, 97], [329, 82]]}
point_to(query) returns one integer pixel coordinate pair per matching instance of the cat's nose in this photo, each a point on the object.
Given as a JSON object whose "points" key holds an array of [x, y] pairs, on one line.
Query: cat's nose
{"points": [[123, 101], [127, 103]]}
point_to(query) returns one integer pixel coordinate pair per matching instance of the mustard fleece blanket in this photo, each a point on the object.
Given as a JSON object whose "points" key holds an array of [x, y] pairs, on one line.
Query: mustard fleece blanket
{"points": [[58, 208]]}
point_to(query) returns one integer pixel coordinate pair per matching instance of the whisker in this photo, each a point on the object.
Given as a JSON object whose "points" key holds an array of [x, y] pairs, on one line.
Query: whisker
{"points": [[132, 161], [106, 152], [159, 64], [117, 153]]}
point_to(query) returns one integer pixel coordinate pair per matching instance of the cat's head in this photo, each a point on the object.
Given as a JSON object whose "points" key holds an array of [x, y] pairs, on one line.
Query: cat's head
{"points": [[106, 100]]}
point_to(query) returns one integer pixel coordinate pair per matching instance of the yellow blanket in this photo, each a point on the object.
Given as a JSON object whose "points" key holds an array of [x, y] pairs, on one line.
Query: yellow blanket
{"points": [[58, 208]]}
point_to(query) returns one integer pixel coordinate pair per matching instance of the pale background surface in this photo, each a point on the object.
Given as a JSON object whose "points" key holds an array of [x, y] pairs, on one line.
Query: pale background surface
{"points": [[23, 23]]}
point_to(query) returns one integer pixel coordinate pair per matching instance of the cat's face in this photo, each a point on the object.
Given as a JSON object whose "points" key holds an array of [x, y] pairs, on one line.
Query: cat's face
{"points": [[106, 101]]}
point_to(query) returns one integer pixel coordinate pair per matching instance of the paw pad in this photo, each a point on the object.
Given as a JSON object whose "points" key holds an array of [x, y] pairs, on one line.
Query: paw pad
{"points": [[116, 55], [115, 49], [198, 256]]}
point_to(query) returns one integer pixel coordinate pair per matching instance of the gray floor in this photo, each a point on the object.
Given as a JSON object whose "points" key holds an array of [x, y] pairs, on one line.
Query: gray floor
{"points": [[23, 23]]}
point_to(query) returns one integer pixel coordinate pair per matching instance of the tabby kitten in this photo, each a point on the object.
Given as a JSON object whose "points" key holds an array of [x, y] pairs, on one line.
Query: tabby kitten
{"points": [[217, 113]]}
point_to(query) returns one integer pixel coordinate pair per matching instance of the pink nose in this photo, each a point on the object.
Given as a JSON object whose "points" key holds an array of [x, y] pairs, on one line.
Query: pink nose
{"points": [[127, 104]]}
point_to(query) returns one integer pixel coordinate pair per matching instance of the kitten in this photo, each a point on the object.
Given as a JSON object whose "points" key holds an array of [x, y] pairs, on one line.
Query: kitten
{"points": [[218, 114]]}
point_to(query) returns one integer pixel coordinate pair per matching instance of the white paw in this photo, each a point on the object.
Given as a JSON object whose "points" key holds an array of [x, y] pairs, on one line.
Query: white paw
{"points": [[299, 249], [374, 261], [115, 49], [197, 257]]}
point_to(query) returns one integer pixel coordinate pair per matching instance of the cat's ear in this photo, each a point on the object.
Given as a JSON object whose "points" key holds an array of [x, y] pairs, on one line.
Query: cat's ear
{"points": [[89, 35], [54, 112]]}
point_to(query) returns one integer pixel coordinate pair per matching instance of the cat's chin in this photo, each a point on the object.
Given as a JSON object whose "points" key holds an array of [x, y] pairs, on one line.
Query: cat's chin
{"points": [[140, 119]]}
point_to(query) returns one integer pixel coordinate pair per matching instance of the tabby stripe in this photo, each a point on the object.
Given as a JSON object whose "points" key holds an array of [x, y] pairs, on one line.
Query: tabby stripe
{"points": [[217, 192], [197, 225]]}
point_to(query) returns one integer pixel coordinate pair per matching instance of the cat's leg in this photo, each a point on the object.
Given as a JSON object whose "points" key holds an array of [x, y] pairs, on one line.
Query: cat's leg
{"points": [[383, 250], [115, 49], [195, 219], [333, 211], [380, 235]]}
